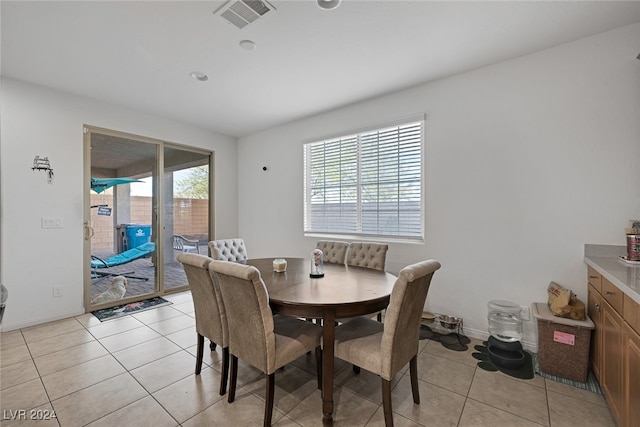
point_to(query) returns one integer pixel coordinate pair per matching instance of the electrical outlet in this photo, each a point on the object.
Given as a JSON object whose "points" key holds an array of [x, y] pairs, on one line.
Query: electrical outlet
{"points": [[525, 312], [57, 291]]}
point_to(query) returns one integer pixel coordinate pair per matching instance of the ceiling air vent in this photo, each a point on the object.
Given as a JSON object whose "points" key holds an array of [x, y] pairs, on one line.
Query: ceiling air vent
{"points": [[244, 12]]}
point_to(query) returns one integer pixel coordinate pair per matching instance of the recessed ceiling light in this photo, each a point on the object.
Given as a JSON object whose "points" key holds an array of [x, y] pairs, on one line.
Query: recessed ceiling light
{"points": [[247, 44], [328, 4], [197, 75]]}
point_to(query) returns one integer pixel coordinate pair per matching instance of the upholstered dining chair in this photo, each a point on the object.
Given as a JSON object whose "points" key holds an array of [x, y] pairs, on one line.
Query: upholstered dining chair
{"points": [[262, 340], [211, 321], [368, 255], [228, 250], [334, 251], [385, 348]]}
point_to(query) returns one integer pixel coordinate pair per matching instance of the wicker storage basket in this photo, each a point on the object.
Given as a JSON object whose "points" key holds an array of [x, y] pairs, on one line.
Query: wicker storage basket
{"points": [[563, 344]]}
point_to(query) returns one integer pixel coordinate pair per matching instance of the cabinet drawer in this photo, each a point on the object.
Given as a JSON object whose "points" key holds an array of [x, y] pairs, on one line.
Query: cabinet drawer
{"points": [[595, 278], [632, 313], [613, 295]]}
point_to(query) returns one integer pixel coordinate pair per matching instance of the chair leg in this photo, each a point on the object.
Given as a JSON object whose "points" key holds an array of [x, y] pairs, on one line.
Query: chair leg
{"points": [[379, 316], [212, 346], [413, 370], [356, 369], [199, 354], [225, 370], [386, 403], [233, 380], [268, 405], [319, 366]]}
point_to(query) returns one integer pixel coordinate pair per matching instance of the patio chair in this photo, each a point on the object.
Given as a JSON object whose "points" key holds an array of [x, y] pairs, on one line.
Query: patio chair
{"points": [[181, 243], [123, 258]]}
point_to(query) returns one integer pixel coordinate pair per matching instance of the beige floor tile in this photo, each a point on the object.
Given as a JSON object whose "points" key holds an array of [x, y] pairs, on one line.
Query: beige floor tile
{"points": [[160, 373], [98, 400], [51, 329], [157, 314], [577, 393], [126, 339], [11, 339], [141, 354], [437, 349], [179, 297], [169, 326], [476, 414], [74, 378], [17, 373], [27, 395], [209, 358], [246, 410], [185, 307], [286, 422], [88, 320], [115, 326], [365, 384], [438, 406], [292, 385], [186, 338], [53, 362], [15, 354], [145, 412], [349, 409], [398, 420], [191, 395], [510, 395], [445, 373], [59, 342], [42, 416], [567, 411]]}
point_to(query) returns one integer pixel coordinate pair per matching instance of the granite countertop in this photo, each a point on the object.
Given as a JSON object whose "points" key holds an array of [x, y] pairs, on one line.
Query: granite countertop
{"points": [[605, 259]]}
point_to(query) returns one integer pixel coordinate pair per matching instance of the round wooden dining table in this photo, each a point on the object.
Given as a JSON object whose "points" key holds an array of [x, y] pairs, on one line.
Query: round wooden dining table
{"points": [[344, 291]]}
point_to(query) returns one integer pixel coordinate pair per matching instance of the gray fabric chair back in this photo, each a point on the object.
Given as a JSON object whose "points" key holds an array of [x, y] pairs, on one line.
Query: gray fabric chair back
{"points": [[228, 250], [367, 255], [249, 317], [403, 316], [334, 252], [211, 321]]}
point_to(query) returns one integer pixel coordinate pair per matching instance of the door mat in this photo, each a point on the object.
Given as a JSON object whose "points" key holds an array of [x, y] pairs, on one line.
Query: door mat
{"points": [[131, 308], [525, 372], [591, 385]]}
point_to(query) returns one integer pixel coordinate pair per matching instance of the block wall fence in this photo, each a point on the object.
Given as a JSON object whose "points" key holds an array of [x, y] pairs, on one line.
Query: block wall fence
{"points": [[190, 218]]}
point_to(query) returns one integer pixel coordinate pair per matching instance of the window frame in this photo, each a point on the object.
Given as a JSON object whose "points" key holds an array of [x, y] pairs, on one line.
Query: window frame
{"points": [[360, 235]]}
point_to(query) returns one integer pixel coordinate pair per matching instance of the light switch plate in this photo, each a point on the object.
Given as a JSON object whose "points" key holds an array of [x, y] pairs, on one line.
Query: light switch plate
{"points": [[51, 222]]}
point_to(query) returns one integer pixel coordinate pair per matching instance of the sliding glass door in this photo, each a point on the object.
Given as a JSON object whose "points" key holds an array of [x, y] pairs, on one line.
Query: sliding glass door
{"points": [[185, 210], [147, 201]]}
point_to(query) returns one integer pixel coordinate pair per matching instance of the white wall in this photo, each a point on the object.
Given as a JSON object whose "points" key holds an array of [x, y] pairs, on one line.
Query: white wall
{"points": [[526, 161], [39, 121]]}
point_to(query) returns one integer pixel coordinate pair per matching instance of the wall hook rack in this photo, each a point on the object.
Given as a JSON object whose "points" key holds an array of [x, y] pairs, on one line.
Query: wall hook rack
{"points": [[42, 164]]}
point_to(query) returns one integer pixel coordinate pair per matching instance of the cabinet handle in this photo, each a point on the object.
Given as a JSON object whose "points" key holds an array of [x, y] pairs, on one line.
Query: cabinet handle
{"points": [[609, 293], [597, 307], [593, 277]]}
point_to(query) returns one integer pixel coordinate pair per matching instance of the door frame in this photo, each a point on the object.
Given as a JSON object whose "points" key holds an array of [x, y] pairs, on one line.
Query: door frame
{"points": [[157, 210]]}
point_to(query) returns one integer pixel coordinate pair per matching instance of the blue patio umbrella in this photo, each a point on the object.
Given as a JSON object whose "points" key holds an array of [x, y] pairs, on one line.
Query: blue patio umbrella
{"points": [[100, 184]]}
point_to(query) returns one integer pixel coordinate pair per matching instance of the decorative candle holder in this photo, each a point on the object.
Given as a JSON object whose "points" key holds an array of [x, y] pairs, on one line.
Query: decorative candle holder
{"points": [[317, 264], [279, 265]]}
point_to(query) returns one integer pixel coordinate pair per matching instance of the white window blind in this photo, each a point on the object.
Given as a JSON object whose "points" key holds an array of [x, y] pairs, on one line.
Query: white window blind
{"points": [[366, 184]]}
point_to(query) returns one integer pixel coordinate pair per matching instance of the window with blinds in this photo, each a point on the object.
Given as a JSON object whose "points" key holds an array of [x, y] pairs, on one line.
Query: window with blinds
{"points": [[369, 183]]}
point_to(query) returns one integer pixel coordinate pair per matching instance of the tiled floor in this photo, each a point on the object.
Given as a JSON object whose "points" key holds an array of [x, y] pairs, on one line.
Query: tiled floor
{"points": [[138, 370]]}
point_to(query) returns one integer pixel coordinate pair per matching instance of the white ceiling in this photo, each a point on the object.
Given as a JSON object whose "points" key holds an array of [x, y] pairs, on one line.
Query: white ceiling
{"points": [[139, 54]]}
